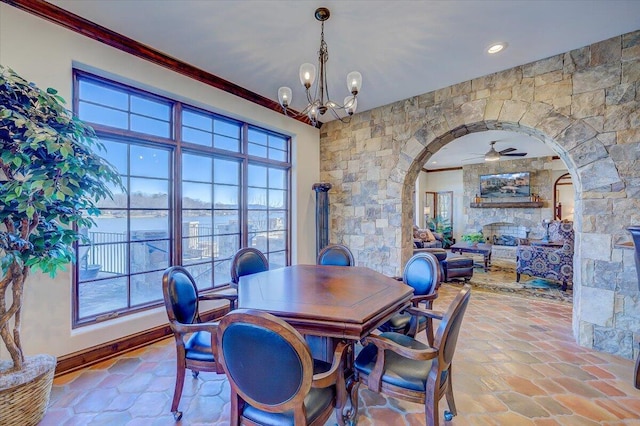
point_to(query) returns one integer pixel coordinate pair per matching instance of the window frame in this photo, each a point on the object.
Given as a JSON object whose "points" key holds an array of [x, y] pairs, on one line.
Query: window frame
{"points": [[176, 148]]}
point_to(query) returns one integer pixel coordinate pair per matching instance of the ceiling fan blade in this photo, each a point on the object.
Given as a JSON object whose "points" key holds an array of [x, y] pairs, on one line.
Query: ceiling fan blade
{"points": [[504, 151], [515, 154]]}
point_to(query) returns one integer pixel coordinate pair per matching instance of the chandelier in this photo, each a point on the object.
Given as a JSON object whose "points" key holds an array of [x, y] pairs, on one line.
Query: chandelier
{"points": [[318, 99]]}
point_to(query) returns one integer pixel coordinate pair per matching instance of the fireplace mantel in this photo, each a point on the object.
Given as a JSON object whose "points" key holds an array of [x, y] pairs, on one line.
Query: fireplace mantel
{"points": [[507, 204]]}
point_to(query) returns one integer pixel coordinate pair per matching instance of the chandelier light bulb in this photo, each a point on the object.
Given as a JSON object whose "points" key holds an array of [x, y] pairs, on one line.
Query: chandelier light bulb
{"points": [[354, 82], [307, 74], [284, 96]]}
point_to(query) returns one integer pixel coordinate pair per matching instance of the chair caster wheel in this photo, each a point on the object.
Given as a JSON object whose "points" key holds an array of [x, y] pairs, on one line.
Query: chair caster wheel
{"points": [[177, 415], [448, 416]]}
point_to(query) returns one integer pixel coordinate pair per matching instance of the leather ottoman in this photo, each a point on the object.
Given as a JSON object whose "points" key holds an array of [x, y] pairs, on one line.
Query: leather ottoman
{"points": [[457, 267]]}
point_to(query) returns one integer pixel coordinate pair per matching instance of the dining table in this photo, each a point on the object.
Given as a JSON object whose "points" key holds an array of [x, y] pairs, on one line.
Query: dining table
{"points": [[326, 304]]}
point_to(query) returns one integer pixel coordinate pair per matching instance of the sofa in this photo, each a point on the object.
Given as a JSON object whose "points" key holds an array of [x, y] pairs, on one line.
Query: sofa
{"points": [[425, 238], [552, 261]]}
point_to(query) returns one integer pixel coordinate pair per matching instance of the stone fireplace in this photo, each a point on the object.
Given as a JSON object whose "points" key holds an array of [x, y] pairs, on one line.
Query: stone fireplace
{"points": [[505, 237]]}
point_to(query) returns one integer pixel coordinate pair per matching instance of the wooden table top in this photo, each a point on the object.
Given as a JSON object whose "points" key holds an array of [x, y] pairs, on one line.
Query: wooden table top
{"points": [[334, 301]]}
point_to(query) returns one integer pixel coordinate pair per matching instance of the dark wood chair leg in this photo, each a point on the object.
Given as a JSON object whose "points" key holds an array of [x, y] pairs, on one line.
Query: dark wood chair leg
{"points": [[177, 392], [449, 394], [517, 277], [637, 384]]}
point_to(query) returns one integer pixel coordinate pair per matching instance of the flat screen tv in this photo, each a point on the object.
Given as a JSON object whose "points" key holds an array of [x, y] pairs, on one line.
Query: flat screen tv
{"points": [[505, 185]]}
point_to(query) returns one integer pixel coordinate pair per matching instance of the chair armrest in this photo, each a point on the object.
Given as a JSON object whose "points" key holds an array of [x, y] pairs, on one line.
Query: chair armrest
{"points": [[415, 300], [429, 313], [211, 327], [335, 373], [230, 294], [382, 343]]}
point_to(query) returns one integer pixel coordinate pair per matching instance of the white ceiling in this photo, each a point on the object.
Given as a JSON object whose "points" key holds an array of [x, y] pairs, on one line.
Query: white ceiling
{"points": [[402, 48]]}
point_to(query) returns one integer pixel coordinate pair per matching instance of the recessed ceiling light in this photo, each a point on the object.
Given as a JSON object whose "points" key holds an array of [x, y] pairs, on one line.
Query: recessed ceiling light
{"points": [[495, 48], [434, 162]]}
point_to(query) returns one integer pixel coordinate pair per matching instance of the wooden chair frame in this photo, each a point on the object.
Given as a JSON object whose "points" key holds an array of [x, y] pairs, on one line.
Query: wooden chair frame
{"points": [[181, 331], [435, 387], [334, 376]]}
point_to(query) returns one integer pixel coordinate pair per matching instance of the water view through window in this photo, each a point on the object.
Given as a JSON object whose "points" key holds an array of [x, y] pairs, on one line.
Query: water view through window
{"points": [[191, 201]]}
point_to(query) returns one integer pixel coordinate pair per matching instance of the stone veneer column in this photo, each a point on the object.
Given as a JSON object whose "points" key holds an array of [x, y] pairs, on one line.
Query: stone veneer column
{"points": [[585, 104]]}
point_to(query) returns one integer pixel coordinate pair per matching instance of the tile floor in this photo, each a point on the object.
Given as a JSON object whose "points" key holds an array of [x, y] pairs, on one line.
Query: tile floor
{"points": [[516, 364]]}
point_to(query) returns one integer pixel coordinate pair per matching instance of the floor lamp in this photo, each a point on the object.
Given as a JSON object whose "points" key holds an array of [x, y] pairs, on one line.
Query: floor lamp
{"points": [[322, 215]]}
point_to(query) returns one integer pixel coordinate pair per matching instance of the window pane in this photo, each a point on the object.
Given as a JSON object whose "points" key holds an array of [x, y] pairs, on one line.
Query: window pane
{"points": [[117, 154], [100, 94], [149, 162], [226, 171], [201, 275], [222, 272], [225, 197], [149, 256], [149, 224], [196, 120], [226, 222], [102, 115], [276, 199], [257, 198], [277, 240], [100, 297], [151, 108], [257, 150], [277, 260], [257, 136], [150, 126], [278, 155], [225, 246], [196, 136], [257, 176], [259, 241], [277, 142], [196, 195], [150, 193], [224, 142], [227, 128], [196, 168], [277, 220], [119, 199], [111, 225], [257, 220], [145, 288], [196, 223], [277, 178], [197, 249]]}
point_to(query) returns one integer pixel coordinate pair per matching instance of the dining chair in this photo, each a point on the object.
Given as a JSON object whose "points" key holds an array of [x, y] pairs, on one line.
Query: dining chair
{"points": [[403, 367], [274, 379], [247, 261], [423, 273], [335, 255], [196, 347]]}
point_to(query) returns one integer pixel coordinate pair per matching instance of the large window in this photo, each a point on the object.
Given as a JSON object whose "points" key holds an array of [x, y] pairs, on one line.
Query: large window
{"points": [[196, 189]]}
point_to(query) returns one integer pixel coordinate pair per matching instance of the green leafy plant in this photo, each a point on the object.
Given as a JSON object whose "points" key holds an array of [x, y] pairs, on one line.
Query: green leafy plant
{"points": [[51, 178], [475, 237], [442, 226]]}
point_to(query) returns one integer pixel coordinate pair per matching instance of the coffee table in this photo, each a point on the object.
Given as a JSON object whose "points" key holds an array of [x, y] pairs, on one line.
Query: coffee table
{"points": [[481, 248]]}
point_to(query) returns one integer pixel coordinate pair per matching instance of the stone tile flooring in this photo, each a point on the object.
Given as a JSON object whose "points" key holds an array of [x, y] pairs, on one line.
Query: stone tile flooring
{"points": [[516, 364]]}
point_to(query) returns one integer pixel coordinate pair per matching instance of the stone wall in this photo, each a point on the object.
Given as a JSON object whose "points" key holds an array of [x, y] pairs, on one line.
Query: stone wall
{"points": [[585, 104]]}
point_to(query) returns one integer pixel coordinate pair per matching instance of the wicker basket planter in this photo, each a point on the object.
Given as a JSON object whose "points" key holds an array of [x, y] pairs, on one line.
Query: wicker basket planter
{"points": [[24, 395]]}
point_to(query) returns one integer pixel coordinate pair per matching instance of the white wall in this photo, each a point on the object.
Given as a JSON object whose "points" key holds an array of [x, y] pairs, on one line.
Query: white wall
{"points": [[44, 53], [449, 180]]}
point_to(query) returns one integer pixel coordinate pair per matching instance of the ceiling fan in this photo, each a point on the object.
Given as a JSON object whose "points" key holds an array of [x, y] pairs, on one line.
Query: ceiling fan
{"points": [[493, 155]]}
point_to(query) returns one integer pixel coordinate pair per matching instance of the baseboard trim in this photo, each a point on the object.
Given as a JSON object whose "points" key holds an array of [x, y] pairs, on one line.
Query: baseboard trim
{"points": [[93, 355]]}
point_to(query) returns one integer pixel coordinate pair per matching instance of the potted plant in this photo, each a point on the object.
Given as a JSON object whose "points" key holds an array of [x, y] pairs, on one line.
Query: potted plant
{"points": [[442, 226], [473, 238], [51, 178]]}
